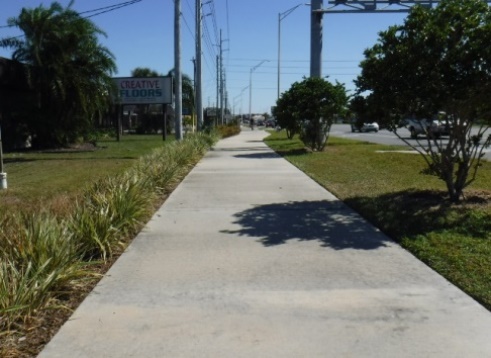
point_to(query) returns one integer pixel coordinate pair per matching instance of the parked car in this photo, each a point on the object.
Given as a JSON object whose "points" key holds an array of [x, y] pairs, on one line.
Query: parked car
{"points": [[356, 125], [432, 127]]}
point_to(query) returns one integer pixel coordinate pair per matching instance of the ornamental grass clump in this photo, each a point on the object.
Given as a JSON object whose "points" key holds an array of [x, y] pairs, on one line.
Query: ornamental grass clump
{"points": [[38, 261], [107, 213], [44, 255], [162, 170], [159, 171], [113, 208]]}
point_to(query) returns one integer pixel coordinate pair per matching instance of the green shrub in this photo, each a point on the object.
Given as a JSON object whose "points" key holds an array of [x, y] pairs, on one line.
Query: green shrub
{"points": [[106, 213]]}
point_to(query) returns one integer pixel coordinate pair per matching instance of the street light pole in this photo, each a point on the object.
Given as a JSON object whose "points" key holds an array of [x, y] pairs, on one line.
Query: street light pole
{"points": [[250, 86], [281, 16], [199, 70], [239, 95]]}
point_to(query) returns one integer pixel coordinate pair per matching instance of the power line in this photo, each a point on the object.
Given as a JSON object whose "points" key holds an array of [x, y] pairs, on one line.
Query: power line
{"points": [[305, 61], [294, 67], [98, 11], [110, 8]]}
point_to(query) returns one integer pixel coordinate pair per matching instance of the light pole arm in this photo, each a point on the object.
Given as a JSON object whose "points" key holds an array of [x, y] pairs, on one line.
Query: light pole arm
{"points": [[289, 11], [282, 16]]}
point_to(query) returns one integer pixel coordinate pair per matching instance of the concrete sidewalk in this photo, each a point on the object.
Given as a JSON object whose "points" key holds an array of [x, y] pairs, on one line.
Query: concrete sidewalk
{"points": [[249, 257]]}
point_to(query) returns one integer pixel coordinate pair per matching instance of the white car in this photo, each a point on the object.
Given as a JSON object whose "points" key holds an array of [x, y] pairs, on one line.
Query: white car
{"points": [[365, 127], [370, 127], [424, 126]]}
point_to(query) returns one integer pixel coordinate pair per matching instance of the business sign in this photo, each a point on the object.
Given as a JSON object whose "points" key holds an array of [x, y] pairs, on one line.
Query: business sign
{"points": [[144, 90]]}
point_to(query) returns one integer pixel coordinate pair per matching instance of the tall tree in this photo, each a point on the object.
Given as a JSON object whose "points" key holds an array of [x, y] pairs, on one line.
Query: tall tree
{"points": [[438, 60], [68, 69]]}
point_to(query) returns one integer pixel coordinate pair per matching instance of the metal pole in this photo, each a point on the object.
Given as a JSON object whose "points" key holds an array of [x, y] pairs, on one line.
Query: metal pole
{"points": [[224, 99], [164, 125], [119, 124], [218, 90], [195, 98], [281, 16], [221, 79], [316, 39], [250, 94], [279, 54], [177, 69], [199, 78]]}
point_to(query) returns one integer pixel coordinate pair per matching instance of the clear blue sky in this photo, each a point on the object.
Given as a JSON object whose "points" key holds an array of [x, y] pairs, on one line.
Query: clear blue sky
{"points": [[142, 35]]}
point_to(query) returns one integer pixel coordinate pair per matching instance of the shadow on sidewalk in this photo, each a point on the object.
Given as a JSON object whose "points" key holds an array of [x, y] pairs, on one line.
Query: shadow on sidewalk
{"points": [[330, 222], [263, 155]]}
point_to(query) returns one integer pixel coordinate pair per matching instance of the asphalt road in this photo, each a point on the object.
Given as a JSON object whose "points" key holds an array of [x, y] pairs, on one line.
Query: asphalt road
{"points": [[384, 137]]}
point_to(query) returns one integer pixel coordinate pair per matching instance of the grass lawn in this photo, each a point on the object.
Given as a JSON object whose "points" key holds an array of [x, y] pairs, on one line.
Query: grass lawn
{"points": [[54, 178], [389, 190]]}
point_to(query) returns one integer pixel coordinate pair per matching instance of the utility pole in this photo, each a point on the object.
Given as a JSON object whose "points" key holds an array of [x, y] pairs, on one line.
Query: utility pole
{"points": [[221, 78], [316, 39], [177, 69], [199, 77], [224, 99]]}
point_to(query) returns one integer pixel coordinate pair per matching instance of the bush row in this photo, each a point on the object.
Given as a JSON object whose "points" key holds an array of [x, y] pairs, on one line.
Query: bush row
{"points": [[43, 255]]}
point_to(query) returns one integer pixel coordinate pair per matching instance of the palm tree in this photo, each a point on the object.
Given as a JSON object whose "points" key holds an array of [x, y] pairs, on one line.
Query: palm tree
{"points": [[68, 69]]}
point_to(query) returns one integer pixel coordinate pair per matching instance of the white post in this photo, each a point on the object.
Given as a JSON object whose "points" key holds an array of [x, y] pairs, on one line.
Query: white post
{"points": [[3, 176]]}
